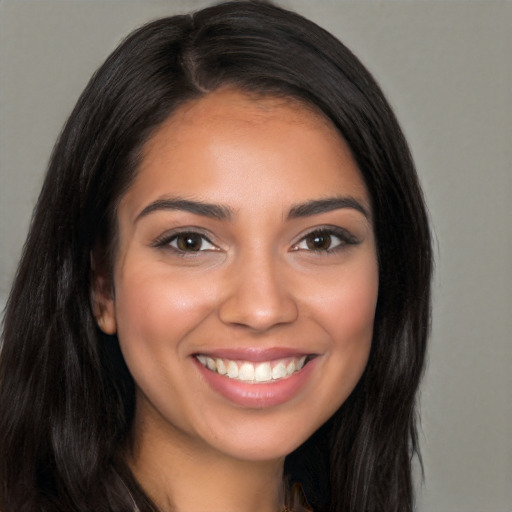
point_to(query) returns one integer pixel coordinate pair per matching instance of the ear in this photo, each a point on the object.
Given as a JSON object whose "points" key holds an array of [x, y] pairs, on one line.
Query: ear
{"points": [[102, 295]]}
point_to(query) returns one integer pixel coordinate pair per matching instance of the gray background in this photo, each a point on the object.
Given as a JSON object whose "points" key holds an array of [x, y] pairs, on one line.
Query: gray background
{"points": [[446, 67]]}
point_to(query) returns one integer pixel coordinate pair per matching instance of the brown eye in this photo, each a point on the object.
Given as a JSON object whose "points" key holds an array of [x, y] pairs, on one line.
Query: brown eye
{"points": [[191, 242], [325, 241], [318, 241]]}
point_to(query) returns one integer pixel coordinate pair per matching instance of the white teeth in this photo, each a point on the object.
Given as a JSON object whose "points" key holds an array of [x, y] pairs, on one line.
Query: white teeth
{"points": [[263, 372], [279, 371], [249, 372], [221, 367], [246, 372], [232, 370], [290, 368]]}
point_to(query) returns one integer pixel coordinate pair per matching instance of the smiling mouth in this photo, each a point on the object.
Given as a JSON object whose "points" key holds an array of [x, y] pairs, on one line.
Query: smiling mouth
{"points": [[246, 371]]}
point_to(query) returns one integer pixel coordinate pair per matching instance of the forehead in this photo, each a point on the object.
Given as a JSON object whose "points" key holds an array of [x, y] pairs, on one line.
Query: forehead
{"points": [[246, 107], [227, 142]]}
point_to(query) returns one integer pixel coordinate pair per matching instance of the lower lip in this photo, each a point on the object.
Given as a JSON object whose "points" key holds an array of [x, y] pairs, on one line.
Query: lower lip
{"points": [[258, 395]]}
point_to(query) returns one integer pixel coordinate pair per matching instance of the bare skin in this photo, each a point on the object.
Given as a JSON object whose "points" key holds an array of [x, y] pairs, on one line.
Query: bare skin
{"points": [[245, 241]]}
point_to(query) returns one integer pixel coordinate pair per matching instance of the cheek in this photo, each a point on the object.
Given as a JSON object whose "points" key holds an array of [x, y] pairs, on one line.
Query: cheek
{"points": [[158, 309], [345, 304], [347, 314]]}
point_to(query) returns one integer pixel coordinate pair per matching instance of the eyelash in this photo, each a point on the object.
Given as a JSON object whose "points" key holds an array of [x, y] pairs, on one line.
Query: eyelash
{"points": [[326, 234], [167, 240]]}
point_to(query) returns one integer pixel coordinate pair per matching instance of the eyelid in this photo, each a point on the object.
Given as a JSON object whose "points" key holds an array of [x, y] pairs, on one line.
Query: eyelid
{"points": [[204, 239], [164, 240], [343, 235]]}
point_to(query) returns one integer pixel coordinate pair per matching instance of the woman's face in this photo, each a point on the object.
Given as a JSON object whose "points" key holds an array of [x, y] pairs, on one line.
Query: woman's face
{"points": [[245, 276]]}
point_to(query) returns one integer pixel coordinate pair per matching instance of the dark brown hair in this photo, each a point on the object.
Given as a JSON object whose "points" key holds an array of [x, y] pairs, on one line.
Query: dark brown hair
{"points": [[66, 397]]}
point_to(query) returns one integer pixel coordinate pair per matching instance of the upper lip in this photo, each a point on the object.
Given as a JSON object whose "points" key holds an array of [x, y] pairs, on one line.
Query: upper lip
{"points": [[254, 354]]}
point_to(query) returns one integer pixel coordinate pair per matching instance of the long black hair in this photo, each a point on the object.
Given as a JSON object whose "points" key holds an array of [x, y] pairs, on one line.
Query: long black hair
{"points": [[66, 397]]}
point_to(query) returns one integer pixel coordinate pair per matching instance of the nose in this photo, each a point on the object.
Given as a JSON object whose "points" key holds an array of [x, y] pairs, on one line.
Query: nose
{"points": [[258, 296]]}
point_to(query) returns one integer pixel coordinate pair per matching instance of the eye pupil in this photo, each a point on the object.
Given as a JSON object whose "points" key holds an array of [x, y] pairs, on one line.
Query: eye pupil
{"points": [[189, 242], [318, 241]]}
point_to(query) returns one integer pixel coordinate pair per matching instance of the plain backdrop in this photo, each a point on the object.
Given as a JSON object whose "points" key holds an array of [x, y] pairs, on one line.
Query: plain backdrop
{"points": [[446, 67]]}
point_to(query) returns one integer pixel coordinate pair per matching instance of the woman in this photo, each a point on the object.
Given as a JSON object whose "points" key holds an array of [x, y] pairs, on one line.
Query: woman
{"points": [[226, 284]]}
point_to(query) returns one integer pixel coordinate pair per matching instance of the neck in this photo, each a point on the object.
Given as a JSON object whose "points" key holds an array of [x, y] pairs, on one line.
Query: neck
{"points": [[182, 474]]}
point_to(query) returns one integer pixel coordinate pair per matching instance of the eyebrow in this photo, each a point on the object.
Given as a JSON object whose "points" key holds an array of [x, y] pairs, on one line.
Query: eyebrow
{"points": [[329, 204], [213, 211], [221, 212]]}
